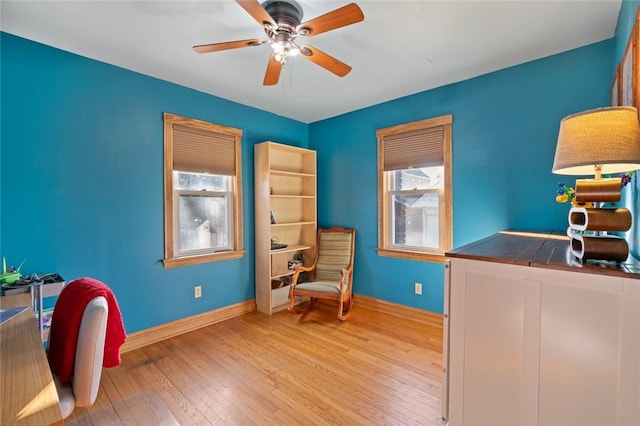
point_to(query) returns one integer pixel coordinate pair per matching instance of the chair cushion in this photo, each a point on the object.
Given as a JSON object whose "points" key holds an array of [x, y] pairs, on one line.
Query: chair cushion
{"points": [[328, 287], [334, 255]]}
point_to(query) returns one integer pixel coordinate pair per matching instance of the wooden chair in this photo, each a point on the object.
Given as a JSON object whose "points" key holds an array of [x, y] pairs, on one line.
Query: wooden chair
{"points": [[331, 273]]}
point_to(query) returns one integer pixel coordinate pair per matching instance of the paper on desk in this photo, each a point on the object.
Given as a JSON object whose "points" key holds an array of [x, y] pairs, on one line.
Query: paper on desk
{"points": [[8, 313]]}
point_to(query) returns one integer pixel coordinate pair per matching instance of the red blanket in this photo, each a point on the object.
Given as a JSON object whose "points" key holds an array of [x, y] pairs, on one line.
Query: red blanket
{"points": [[65, 325]]}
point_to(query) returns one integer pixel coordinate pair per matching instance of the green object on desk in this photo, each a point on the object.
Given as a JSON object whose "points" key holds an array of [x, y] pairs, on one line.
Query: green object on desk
{"points": [[10, 278]]}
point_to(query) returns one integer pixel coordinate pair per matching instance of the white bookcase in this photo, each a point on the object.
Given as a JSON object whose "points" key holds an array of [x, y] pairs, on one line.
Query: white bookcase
{"points": [[285, 211]]}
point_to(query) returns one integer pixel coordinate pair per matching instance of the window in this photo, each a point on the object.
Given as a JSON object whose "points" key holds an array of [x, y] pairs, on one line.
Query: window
{"points": [[203, 192], [414, 190]]}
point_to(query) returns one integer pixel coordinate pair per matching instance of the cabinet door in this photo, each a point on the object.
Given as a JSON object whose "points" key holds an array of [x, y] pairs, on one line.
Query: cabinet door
{"points": [[630, 358], [581, 348], [492, 376]]}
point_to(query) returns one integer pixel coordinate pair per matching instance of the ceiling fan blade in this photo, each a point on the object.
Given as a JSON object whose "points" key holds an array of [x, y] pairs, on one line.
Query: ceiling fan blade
{"points": [[341, 17], [258, 13], [326, 61], [272, 75], [216, 47]]}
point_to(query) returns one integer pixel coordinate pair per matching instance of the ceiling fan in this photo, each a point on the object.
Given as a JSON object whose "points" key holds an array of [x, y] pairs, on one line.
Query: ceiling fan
{"points": [[281, 22]]}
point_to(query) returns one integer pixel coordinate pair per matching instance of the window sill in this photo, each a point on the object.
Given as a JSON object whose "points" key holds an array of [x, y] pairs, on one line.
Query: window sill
{"points": [[412, 255], [197, 260]]}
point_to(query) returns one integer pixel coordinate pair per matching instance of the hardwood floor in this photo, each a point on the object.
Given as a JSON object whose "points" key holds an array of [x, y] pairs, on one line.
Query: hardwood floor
{"points": [[374, 369]]}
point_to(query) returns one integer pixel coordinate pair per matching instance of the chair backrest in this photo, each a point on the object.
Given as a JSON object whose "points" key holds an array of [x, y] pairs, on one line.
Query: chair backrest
{"points": [[335, 253], [90, 352]]}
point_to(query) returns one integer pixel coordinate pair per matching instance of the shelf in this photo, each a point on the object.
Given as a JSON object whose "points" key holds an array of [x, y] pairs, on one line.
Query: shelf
{"points": [[290, 249], [292, 196], [276, 225], [291, 272], [291, 174]]}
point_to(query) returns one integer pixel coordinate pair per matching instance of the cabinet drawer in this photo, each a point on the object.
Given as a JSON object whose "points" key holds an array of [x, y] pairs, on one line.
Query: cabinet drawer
{"points": [[280, 295], [279, 264]]}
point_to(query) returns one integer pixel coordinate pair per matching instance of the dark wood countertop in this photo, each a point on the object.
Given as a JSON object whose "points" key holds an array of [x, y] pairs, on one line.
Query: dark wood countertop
{"points": [[540, 249]]}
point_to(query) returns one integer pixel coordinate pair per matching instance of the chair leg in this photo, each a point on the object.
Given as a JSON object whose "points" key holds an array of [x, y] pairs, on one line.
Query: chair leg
{"points": [[342, 314], [312, 305]]}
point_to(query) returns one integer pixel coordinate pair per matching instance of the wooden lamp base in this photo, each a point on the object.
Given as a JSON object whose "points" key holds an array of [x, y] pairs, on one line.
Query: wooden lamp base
{"points": [[590, 219], [608, 248], [583, 219]]}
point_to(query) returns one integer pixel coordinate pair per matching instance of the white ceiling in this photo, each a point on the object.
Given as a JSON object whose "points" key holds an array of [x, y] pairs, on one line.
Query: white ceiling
{"points": [[401, 47]]}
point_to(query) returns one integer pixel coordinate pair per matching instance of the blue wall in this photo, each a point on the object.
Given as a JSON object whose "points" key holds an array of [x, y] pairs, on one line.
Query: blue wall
{"points": [[626, 21], [631, 193], [81, 171], [82, 179], [505, 126]]}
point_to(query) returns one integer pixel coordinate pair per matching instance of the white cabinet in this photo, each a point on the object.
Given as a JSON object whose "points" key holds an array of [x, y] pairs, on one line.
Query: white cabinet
{"points": [[530, 346], [285, 211]]}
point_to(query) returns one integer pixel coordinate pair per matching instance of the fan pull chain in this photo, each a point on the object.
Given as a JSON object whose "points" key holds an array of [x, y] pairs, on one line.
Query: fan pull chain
{"points": [[291, 75], [290, 72]]}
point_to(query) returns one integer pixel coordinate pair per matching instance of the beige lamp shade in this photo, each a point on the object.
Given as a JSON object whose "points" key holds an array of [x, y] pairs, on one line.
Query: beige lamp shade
{"points": [[606, 137]]}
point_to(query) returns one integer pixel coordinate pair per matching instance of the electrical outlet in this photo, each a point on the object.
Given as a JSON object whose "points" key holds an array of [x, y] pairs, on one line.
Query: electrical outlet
{"points": [[197, 291], [418, 288]]}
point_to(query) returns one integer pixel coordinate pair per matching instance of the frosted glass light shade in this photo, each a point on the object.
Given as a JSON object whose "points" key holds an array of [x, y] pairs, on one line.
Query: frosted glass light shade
{"points": [[607, 137]]}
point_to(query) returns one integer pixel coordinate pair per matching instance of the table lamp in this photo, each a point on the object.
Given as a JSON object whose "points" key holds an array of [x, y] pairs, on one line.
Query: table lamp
{"points": [[596, 142]]}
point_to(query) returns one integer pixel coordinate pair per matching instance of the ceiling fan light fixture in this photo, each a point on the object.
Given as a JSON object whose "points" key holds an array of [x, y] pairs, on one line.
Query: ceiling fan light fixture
{"points": [[284, 49], [278, 48], [281, 21]]}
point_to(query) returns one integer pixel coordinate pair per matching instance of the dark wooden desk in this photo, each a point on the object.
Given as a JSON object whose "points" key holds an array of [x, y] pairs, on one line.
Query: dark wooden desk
{"points": [[27, 391], [549, 250]]}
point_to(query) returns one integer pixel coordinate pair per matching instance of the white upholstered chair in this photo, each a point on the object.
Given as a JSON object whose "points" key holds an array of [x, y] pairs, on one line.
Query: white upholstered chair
{"points": [[82, 390]]}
